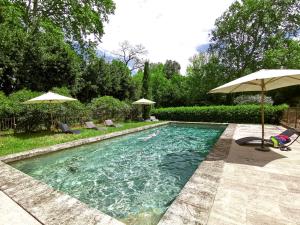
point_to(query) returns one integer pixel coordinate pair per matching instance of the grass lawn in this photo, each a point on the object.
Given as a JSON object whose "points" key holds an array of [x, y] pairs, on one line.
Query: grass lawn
{"points": [[13, 143]]}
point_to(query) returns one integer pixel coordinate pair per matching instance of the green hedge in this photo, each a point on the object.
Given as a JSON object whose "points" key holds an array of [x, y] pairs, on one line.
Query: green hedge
{"points": [[222, 114]]}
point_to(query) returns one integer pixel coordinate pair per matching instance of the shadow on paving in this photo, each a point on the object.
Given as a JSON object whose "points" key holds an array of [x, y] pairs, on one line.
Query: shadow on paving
{"points": [[247, 155]]}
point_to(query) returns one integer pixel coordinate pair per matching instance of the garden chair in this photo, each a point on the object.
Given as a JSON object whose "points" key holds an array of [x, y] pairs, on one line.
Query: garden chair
{"points": [[153, 118], [257, 140], [110, 123], [91, 125], [65, 129]]}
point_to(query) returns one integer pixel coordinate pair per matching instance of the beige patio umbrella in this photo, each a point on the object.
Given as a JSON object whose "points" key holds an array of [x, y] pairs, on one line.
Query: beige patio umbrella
{"points": [[143, 102], [262, 81], [49, 98]]}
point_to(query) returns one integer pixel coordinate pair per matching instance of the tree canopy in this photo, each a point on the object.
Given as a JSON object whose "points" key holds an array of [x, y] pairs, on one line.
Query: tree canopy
{"points": [[46, 44], [77, 19], [248, 29]]}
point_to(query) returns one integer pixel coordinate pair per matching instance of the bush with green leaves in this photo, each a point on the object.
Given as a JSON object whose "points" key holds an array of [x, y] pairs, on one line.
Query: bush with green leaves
{"points": [[108, 107], [222, 114], [252, 99], [33, 117]]}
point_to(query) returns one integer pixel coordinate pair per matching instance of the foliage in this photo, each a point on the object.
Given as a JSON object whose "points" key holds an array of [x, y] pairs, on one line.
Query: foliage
{"points": [[165, 92], [36, 60], [146, 77], [251, 99], [12, 41], [32, 117], [48, 62], [171, 68], [107, 107], [248, 29], [145, 89], [102, 78], [224, 114], [77, 19], [204, 74], [287, 55]]}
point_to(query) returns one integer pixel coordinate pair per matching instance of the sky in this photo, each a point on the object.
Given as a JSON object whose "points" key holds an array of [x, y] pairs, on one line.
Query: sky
{"points": [[169, 29]]}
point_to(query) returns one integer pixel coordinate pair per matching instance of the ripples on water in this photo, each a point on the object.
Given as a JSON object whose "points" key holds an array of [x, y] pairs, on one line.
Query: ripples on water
{"points": [[134, 177]]}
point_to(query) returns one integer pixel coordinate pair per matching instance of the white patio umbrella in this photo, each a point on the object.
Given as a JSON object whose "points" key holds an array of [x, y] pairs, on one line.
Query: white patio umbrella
{"points": [[143, 101], [262, 81], [49, 98]]}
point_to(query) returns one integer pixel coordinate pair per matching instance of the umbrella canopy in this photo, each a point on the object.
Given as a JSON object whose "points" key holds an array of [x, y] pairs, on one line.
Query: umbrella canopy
{"points": [[50, 97], [262, 81], [143, 101]]}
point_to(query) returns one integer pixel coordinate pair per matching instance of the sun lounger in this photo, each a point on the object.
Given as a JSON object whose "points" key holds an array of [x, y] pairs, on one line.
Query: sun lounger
{"points": [[153, 118], [110, 123], [65, 129], [252, 141], [91, 125], [257, 140]]}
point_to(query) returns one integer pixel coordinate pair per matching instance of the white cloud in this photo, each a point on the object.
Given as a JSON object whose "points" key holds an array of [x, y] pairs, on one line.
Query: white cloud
{"points": [[169, 29]]}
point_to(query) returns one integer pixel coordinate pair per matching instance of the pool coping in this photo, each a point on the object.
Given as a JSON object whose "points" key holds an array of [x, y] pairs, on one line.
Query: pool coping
{"points": [[45, 204]]}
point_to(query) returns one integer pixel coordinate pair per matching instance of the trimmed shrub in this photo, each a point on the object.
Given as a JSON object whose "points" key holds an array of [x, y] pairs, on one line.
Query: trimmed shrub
{"points": [[221, 114], [108, 107]]}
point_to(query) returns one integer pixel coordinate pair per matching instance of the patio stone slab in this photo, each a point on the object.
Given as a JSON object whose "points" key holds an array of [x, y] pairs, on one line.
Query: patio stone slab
{"points": [[12, 214], [258, 188]]}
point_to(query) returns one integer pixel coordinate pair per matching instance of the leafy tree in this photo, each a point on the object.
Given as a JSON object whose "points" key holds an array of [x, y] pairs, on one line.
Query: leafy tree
{"points": [[122, 86], [283, 54], [286, 54], [107, 107], [248, 29], [35, 60], [102, 78], [145, 89], [77, 19], [171, 68], [165, 92], [48, 62], [204, 74], [12, 42], [95, 80], [131, 55]]}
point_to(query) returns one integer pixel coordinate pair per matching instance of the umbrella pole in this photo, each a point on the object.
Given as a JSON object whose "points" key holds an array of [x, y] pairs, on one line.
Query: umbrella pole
{"points": [[262, 119], [262, 111]]}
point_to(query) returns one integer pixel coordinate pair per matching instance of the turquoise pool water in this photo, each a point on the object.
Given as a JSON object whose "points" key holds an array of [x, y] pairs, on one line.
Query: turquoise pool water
{"points": [[134, 177]]}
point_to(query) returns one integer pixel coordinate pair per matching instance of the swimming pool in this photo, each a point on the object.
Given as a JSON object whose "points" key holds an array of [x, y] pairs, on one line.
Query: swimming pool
{"points": [[134, 177]]}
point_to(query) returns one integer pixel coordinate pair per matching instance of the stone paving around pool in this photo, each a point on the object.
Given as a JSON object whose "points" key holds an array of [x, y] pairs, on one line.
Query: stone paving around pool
{"points": [[261, 188], [234, 185]]}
